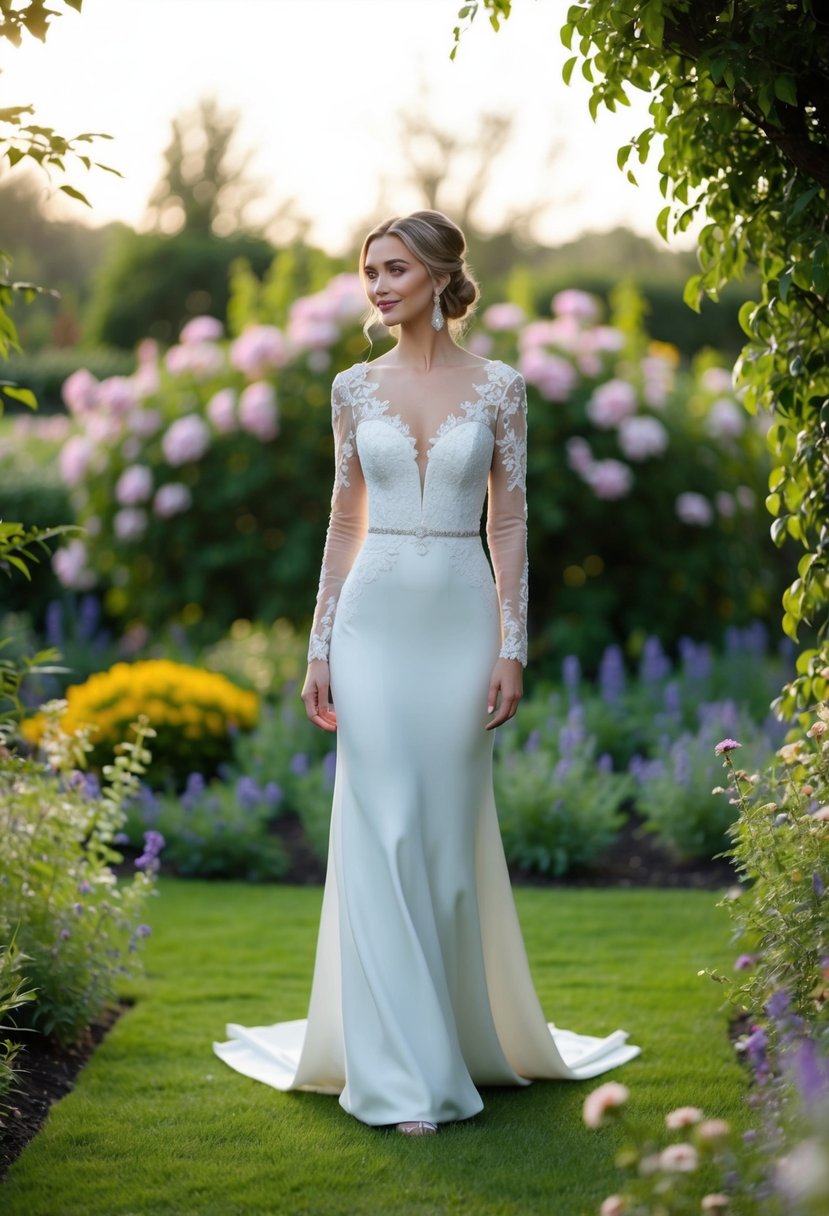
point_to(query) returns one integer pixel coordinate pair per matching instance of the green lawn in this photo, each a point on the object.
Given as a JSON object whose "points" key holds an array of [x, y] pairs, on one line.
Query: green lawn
{"points": [[157, 1126]]}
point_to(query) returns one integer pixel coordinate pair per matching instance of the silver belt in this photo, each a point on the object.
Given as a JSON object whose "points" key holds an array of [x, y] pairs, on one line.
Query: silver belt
{"points": [[420, 533]]}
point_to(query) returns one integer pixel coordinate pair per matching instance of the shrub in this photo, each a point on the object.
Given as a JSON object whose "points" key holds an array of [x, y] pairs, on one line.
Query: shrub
{"points": [[194, 713], [45, 371], [559, 807], [220, 829], [13, 994], [59, 900]]}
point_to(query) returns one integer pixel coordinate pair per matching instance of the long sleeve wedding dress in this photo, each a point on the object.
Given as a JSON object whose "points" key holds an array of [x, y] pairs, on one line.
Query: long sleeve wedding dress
{"points": [[421, 989]]}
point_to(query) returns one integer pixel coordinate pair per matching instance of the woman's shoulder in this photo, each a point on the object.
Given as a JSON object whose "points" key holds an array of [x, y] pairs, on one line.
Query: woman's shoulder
{"points": [[349, 375], [503, 373]]}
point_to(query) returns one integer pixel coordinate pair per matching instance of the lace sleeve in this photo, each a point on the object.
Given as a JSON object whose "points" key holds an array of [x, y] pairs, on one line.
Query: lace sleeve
{"points": [[347, 521], [506, 527]]}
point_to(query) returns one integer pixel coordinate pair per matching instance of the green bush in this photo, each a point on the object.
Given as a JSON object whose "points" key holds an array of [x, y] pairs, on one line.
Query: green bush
{"points": [[13, 994], [45, 371]]}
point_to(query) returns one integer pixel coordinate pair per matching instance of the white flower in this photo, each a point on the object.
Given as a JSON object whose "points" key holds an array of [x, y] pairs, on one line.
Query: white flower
{"points": [[679, 1158], [716, 380], [693, 508], [713, 1129], [683, 1116], [607, 1097], [69, 564], [746, 497], [257, 410], [130, 523], [641, 437], [610, 403], [714, 1203], [725, 419], [614, 1205], [134, 485], [187, 439], [172, 499]]}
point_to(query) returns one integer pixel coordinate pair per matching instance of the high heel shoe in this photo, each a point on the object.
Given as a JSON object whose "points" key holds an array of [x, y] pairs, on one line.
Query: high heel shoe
{"points": [[420, 1127]]}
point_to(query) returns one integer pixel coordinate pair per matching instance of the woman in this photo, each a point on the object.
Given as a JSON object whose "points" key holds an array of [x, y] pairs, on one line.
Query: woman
{"points": [[421, 987]]}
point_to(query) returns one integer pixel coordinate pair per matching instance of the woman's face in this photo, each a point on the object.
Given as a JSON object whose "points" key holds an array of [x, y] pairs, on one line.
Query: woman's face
{"points": [[396, 283]]}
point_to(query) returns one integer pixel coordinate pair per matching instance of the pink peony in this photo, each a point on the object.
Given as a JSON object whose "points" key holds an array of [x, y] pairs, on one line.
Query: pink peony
{"points": [[579, 456], [537, 333], [345, 296], [201, 329], [117, 395], [257, 410], [74, 459], [578, 304], [129, 523], [641, 437], [609, 479], [679, 1158], [172, 499], [80, 392], [713, 1130], [185, 440], [145, 423], [610, 403], [614, 1205], [554, 377], [198, 359], [146, 380], [694, 509], [69, 564], [683, 1116], [134, 485], [221, 410], [726, 745], [504, 316], [258, 350], [606, 1098], [306, 332]]}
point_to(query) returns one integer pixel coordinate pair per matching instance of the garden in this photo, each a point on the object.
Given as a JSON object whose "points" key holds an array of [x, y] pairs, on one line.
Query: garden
{"points": [[663, 793]]}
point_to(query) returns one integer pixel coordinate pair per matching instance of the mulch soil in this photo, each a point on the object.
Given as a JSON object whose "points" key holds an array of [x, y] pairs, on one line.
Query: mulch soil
{"points": [[46, 1072]]}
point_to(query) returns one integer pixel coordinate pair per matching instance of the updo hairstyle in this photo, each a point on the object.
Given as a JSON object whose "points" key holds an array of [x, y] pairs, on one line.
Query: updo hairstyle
{"points": [[440, 245]]}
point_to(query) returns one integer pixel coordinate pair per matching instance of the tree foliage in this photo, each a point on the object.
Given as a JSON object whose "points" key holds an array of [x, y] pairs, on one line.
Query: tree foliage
{"points": [[740, 123]]}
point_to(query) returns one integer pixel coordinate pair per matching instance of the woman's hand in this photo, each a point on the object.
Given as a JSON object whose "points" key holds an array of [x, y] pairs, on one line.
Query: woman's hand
{"points": [[505, 691], [315, 693]]}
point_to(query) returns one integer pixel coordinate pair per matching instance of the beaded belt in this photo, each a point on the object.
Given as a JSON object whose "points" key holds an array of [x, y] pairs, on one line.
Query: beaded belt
{"points": [[420, 533]]}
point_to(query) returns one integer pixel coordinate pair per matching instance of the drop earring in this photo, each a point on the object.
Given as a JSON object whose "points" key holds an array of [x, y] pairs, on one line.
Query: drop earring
{"points": [[437, 313]]}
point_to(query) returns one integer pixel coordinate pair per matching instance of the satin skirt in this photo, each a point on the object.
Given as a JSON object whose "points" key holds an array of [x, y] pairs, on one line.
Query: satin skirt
{"points": [[421, 990]]}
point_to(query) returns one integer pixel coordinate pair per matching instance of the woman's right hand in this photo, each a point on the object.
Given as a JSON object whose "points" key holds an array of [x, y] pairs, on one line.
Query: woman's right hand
{"points": [[315, 693]]}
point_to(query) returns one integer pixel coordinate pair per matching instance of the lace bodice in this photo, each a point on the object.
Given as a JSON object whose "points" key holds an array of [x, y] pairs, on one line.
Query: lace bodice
{"points": [[409, 466]]}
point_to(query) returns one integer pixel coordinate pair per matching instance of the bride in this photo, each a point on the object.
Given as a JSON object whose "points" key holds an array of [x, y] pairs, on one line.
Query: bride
{"points": [[421, 989]]}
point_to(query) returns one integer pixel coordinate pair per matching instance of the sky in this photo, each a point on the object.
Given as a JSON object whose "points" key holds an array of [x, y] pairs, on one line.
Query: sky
{"points": [[319, 85]]}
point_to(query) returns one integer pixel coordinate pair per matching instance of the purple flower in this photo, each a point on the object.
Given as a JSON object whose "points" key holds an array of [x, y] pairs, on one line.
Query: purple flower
{"points": [[778, 1004], [143, 931], [726, 745], [672, 698], [193, 790], [654, 665], [120, 838], [612, 674], [273, 793], [533, 741], [329, 767], [187, 439], [605, 763], [744, 962], [64, 934], [153, 844], [299, 764], [248, 793], [818, 885], [571, 672], [811, 1074], [84, 887]]}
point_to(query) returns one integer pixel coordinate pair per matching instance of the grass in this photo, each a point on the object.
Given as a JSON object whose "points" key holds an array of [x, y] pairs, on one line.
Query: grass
{"points": [[157, 1126]]}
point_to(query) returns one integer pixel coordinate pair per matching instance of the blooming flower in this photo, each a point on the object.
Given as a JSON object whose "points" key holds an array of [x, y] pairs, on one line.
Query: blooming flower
{"points": [[257, 410], [606, 1098], [130, 523], [171, 499], [258, 350], [712, 1130], [70, 565], [134, 485], [614, 1205], [693, 508], [609, 479], [726, 745], [504, 316], [80, 392], [74, 459], [198, 359], [153, 844], [554, 377], [715, 1202], [641, 437], [817, 730], [725, 419], [716, 380], [683, 1116], [579, 456], [143, 931], [575, 303], [117, 395], [610, 403], [679, 1158], [201, 329], [744, 962], [144, 423], [221, 410], [187, 439]]}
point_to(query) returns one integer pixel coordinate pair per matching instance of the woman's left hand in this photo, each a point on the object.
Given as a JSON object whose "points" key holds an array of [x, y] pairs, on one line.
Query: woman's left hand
{"points": [[505, 691]]}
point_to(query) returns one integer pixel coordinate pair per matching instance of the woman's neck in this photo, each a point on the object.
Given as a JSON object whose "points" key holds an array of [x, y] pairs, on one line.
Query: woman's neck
{"points": [[421, 347]]}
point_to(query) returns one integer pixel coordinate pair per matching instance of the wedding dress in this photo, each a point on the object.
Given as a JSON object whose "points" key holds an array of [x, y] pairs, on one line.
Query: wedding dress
{"points": [[421, 988]]}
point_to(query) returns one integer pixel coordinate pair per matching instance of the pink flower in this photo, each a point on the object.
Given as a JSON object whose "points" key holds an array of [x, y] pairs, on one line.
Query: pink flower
{"points": [[538, 333], [480, 344], [714, 1203], [201, 329], [129, 523], [579, 456], [171, 499], [746, 497], [609, 479], [259, 350], [312, 333], [198, 359], [713, 1130], [817, 730], [716, 380], [610, 403], [641, 437], [221, 410], [257, 410], [606, 1098], [117, 395], [725, 419], [146, 380], [145, 423], [345, 296], [822, 813], [134, 485], [726, 745], [70, 565], [725, 504], [186, 439], [694, 509], [504, 316], [74, 459], [744, 962], [679, 1158], [683, 1116], [147, 352], [578, 304], [614, 1205], [80, 392], [554, 377]]}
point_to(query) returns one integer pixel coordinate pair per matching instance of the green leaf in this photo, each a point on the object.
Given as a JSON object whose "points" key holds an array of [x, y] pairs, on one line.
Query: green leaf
{"points": [[802, 201], [662, 222], [73, 193], [692, 292], [24, 395], [785, 89], [790, 626], [567, 70]]}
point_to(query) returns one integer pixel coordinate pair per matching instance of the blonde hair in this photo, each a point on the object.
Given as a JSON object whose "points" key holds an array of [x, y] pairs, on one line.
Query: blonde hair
{"points": [[439, 244]]}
